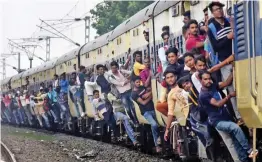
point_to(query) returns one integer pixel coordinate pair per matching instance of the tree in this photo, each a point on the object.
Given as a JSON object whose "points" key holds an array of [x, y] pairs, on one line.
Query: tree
{"points": [[109, 14]]}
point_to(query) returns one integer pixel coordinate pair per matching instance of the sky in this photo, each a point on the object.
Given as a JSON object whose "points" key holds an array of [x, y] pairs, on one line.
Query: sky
{"points": [[20, 17]]}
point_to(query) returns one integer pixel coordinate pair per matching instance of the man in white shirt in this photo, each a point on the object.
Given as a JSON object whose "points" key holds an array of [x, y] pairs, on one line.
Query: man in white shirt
{"points": [[122, 84]]}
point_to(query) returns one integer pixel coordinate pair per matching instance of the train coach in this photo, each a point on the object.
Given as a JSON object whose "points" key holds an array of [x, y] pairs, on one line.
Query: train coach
{"points": [[128, 37]]}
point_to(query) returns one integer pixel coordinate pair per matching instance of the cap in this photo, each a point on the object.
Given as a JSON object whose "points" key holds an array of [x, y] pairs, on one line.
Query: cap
{"points": [[18, 92], [41, 88], [215, 3]]}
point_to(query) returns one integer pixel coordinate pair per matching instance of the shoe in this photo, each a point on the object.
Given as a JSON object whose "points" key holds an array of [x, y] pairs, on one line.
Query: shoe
{"points": [[137, 144], [240, 121], [159, 141]]}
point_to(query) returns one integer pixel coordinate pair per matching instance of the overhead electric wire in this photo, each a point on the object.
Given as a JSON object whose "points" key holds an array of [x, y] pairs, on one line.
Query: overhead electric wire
{"points": [[61, 33], [25, 50]]}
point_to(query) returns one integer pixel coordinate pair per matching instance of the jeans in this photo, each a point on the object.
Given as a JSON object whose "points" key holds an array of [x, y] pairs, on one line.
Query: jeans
{"points": [[21, 115], [239, 139], [128, 104], [226, 71], [28, 114], [45, 117], [7, 115], [16, 116], [55, 111], [150, 116], [65, 112], [129, 129]]}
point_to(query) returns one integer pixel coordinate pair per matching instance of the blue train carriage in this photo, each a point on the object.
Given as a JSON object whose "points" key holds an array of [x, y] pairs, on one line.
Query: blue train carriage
{"points": [[248, 59], [65, 64]]}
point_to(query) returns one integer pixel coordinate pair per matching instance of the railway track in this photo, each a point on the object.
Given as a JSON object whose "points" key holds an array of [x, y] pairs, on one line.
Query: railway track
{"points": [[6, 154]]}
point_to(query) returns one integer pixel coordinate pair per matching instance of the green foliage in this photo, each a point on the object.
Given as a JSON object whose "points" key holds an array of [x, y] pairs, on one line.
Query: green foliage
{"points": [[109, 14]]}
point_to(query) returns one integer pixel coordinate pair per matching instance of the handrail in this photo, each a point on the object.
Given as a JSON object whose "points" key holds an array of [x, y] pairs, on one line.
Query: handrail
{"points": [[253, 47], [249, 53]]}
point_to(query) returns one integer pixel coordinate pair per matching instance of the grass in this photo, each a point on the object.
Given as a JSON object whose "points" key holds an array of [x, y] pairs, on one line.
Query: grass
{"points": [[31, 135]]}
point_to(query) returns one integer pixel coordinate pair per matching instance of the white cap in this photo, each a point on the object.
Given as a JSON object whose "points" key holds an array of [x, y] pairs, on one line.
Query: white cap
{"points": [[41, 88], [18, 92]]}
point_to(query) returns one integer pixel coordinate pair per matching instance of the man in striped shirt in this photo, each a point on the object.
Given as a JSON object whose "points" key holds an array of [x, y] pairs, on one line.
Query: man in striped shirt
{"points": [[222, 44]]}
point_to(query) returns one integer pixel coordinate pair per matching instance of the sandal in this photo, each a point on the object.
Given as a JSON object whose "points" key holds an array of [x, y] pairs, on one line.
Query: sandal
{"points": [[253, 154]]}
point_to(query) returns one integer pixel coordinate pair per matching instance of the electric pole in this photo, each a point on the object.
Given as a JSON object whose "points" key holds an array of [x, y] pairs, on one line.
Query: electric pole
{"points": [[47, 48], [87, 29]]}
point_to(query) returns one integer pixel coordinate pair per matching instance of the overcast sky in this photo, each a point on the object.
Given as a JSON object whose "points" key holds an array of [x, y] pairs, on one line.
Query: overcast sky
{"points": [[20, 17]]}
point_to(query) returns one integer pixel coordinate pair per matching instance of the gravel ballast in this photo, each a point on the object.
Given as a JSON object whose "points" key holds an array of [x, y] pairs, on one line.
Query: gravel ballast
{"points": [[33, 146]]}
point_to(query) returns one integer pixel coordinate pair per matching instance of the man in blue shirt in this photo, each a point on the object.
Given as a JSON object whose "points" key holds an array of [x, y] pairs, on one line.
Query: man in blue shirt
{"points": [[212, 102], [55, 108], [63, 83]]}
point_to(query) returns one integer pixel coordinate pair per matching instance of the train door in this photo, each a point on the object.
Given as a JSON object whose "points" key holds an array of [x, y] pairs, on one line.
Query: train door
{"points": [[248, 51]]}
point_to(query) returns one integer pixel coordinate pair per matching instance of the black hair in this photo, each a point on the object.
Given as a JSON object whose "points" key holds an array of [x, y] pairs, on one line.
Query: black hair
{"points": [[95, 91], [170, 71], [114, 63], [145, 32], [99, 66], [55, 75], [137, 53], [136, 78], [202, 72], [192, 21], [58, 89], [214, 3], [46, 90], [205, 9], [195, 51], [163, 34], [200, 58], [172, 50], [184, 29], [182, 80], [187, 14], [81, 67], [188, 54], [50, 86], [165, 28]]}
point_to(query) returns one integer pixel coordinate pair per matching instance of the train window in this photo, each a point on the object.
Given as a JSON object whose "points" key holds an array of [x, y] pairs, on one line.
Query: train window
{"points": [[162, 45], [194, 2], [87, 55], [61, 66], [175, 10], [170, 42], [113, 52], [137, 31], [156, 46], [123, 59]]}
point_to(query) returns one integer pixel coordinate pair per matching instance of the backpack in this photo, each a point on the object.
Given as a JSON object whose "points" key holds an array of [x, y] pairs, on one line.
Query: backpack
{"points": [[213, 57]]}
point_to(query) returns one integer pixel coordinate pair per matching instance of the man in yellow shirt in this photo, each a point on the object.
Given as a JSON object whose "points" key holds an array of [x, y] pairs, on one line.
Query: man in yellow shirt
{"points": [[138, 66]]}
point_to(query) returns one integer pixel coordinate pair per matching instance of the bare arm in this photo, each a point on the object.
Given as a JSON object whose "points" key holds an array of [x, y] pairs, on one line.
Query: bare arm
{"points": [[222, 64], [144, 102], [227, 82], [219, 103]]}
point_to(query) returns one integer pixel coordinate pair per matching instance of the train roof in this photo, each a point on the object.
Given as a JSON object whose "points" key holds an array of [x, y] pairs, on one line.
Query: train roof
{"points": [[68, 56], [30, 71], [17, 76], [6, 80], [46, 66], [97, 43], [141, 16]]}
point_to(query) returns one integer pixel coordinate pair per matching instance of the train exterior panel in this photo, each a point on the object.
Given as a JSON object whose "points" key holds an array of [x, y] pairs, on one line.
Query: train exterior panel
{"points": [[248, 58]]}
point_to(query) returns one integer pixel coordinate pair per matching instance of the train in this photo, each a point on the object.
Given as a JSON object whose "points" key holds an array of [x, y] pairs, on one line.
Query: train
{"points": [[128, 37]]}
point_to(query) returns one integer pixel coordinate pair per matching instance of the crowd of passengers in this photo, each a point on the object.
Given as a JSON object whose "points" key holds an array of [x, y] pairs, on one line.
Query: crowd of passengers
{"points": [[192, 87]]}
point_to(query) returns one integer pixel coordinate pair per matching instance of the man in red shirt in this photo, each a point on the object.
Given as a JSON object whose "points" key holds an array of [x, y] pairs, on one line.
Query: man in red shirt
{"points": [[194, 40]]}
